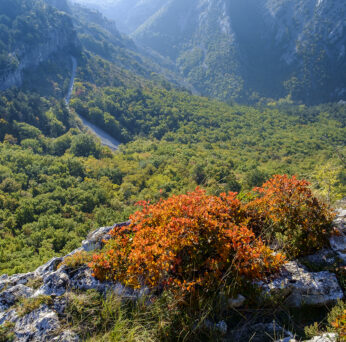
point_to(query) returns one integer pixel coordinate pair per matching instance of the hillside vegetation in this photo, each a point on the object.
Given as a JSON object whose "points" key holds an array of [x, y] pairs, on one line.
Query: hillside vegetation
{"points": [[220, 184]]}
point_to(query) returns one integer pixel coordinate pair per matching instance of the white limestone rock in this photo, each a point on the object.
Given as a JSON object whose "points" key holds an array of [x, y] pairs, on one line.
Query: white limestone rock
{"points": [[94, 239], [16, 279], [328, 337], [338, 240], [10, 296], [301, 287], [8, 316], [38, 325], [82, 279], [66, 336], [48, 267], [54, 284]]}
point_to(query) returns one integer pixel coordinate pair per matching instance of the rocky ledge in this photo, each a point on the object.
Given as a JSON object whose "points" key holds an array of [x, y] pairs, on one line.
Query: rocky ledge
{"points": [[296, 284]]}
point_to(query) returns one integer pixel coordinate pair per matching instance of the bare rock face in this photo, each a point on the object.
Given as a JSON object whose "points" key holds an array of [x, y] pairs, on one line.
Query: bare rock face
{"points": [[301, 287]]}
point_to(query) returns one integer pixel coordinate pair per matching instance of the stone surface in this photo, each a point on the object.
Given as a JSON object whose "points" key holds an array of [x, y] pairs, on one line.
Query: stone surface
{"points": [[8, 316], [329, 337], [301, 287], [48, 267], [82, 279], [66, 336], [236, 302], [10, 296], [94, 239], [54, 283], [23, 278], [338, 240], [43, 323], [39, 325]]}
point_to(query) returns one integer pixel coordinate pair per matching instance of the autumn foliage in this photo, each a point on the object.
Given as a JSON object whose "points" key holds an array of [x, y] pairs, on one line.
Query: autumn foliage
{"points": [[340, 325], [183, 242], [197, 240], [286, 214]]}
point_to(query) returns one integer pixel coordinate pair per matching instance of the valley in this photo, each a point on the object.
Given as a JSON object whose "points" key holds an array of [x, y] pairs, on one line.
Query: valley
{"points": [[213, 130]]}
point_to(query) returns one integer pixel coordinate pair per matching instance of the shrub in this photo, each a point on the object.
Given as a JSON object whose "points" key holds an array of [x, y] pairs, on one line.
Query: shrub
{"points": [[6, 335], [336, 323], [185, 242], [337, 320], [285, 213], [76, 260]]}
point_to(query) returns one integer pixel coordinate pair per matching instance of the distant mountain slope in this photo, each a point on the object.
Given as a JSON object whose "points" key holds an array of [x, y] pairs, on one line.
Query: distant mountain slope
{"points": [[244, 49], [30, 32], [127, 14]]}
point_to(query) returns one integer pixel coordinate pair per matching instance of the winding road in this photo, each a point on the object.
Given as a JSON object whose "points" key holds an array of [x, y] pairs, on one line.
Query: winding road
{"points": [[106, 139]]}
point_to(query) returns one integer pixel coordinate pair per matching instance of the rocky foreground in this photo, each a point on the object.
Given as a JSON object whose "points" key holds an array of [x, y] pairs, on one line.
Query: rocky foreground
{"points": [[296, 284]]}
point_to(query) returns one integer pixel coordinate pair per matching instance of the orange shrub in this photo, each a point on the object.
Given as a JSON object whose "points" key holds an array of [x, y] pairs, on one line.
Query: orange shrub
{"points": [[183, 242], [287, 214], [340, 325]]}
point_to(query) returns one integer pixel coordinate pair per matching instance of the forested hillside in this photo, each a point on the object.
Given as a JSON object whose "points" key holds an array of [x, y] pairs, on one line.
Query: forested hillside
{"points": [[244, 49]]}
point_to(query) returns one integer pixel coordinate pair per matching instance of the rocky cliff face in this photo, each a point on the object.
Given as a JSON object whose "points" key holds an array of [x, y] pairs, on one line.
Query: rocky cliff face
{"points": [[59, 36], [51, 287]]}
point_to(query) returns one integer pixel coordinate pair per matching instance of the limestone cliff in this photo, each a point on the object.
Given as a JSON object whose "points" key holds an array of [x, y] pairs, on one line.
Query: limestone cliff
{"points": [[52, 32]]}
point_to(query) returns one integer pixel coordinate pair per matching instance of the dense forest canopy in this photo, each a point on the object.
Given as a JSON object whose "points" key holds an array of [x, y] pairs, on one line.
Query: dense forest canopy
{"points": [[57, 182]]}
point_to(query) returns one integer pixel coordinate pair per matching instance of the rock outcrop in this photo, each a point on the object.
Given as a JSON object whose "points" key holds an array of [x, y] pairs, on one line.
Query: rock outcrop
{"points": [[54, 285], [44, 323], [300, 287]]}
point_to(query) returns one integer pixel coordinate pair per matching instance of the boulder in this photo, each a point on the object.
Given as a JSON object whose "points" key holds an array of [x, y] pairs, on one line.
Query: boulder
{"points": [[323, 259], [10, 296], [54, 284], [82, 279], [8, 316], [301, 287], [220, 327], [38, 325], [328, 337]]}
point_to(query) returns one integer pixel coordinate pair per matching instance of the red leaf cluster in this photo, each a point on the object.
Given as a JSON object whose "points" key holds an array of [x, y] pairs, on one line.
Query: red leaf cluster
{"points": [[186, 241], [197, 240]]}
